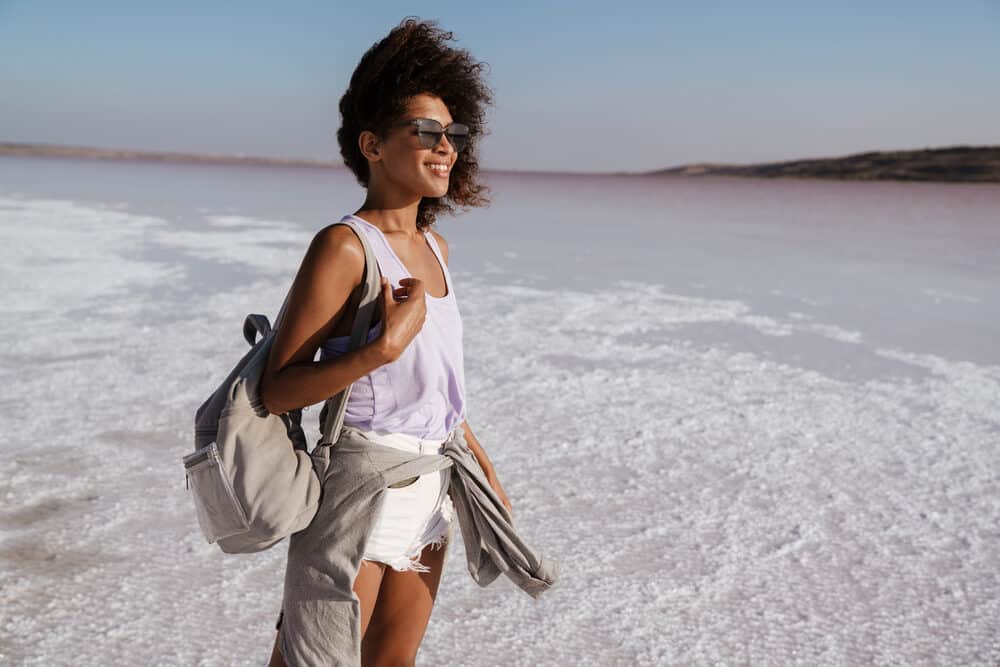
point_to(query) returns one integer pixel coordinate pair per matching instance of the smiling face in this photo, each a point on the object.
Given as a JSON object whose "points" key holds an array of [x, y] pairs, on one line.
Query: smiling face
{"points": [[400, 161]]}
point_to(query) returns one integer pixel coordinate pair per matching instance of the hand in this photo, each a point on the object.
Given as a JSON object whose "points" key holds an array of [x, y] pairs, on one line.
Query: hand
{"points": [[403, 319], [495, 484]]}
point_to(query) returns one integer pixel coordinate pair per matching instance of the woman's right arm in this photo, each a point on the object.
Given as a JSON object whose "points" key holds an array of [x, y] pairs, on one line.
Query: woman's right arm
{"points": [[331, 269]]}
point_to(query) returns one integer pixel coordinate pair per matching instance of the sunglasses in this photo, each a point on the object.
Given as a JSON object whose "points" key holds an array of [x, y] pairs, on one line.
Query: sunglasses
{"points": [[430, 132]]}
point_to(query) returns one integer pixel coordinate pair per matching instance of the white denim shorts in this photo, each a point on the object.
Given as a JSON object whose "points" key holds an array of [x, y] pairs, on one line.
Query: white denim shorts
{"points": [[412, 516]]}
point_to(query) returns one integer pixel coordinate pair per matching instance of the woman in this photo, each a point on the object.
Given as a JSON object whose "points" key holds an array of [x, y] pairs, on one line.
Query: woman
{"points": [[412, 114]]}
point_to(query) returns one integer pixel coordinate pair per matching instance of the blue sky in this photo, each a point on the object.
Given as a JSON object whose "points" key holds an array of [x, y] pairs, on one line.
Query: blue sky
{"points": [[580, 86]]}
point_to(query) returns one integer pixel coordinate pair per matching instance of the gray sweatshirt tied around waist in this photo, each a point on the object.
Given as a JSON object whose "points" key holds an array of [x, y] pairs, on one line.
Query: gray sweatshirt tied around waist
{"points": [[321, 623]]}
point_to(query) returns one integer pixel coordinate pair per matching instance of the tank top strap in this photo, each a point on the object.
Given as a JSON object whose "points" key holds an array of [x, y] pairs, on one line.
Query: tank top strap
{"points": [[440, 256], [388, 264]]}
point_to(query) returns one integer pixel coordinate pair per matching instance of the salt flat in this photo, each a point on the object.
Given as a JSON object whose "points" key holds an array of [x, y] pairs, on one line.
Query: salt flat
{"points": [[728, 475]]}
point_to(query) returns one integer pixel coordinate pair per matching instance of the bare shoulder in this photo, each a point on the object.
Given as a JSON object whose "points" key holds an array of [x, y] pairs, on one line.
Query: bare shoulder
{"points": [[332, 268], [338, 242], [441, 244], [339, 239], [334, 262]]}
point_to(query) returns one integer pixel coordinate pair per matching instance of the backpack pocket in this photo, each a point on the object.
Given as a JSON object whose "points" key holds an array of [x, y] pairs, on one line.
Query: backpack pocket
{"points": [[219, 511]]}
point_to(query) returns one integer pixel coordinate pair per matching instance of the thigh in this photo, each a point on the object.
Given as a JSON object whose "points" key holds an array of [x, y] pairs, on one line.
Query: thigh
{"points": [[405, 602], [366, 586]]}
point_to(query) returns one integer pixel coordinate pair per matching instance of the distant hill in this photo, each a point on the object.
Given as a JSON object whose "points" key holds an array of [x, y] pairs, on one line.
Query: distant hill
{"points": [[968, 164], [955, 164]]}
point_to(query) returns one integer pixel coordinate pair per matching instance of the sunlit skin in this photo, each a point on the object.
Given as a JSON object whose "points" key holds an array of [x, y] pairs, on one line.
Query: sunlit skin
{"points": [[393, 628]]}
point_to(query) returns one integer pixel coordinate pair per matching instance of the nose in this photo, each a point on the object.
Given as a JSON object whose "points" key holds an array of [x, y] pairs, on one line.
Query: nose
{"points": [[441, 145]]}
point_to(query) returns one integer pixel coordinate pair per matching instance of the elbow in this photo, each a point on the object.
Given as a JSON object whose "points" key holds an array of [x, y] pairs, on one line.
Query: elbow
{"points": [[267, 399]]}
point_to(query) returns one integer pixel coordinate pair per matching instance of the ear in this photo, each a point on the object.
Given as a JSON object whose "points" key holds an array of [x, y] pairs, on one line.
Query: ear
{"points": [[370, 145]]}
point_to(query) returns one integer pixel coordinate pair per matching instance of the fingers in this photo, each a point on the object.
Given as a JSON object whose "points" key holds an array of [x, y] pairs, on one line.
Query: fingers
{"points": [[408, 287], [413, 283], [386, 292]]}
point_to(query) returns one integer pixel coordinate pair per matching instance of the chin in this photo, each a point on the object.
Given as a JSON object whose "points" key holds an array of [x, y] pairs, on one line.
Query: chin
{"points": [[437, 192]]}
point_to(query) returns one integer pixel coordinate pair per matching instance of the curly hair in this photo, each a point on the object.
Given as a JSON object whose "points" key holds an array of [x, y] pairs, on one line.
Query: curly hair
{"points": [[415, 58]]}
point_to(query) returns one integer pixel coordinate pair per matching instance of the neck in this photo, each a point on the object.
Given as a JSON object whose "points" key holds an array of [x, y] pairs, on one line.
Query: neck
{"points": [[390, 216]]}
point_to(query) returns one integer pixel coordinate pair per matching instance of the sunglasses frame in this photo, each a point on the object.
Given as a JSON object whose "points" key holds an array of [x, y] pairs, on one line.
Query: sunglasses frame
{"points": [[429, 134]]}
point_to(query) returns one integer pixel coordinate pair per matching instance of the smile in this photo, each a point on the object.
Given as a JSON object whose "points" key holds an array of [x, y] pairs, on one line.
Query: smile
{"points": [[440, 170]]}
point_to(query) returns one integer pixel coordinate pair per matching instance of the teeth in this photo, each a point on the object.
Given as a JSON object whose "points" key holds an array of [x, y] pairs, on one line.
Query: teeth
{"points": [[438, 167]]}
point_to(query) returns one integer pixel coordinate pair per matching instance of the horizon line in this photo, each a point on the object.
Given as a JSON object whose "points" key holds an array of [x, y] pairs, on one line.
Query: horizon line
{"points": [[41, 149]]}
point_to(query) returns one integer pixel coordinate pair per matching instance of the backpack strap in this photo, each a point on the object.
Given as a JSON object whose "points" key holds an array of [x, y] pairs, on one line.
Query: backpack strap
{"points": [[371, 288], [256, 324]]}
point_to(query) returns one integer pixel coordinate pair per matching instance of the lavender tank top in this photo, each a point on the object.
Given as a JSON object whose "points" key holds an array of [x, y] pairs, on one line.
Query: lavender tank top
{"points": [[421, 393]]}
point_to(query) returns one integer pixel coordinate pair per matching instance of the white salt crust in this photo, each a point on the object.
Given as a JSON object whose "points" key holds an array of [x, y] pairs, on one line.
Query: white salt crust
{"points": [[710, 505]]}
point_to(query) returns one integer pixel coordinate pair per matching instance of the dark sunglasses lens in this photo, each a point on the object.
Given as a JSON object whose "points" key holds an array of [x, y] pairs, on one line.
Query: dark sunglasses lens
{"points": [[428, 125], [432, 139], [429, 139], [458, 137], [430, 131]]}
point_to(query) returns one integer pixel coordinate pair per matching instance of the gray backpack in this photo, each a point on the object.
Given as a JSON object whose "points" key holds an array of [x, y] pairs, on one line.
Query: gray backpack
{"points": [[251, 475]]}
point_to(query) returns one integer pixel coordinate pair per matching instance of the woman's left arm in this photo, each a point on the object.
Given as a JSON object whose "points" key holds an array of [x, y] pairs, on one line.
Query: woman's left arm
{"points": [[470, 439], [486, 465]]}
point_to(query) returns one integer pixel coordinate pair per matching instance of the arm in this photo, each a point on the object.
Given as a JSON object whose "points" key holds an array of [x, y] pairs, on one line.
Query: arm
{"points": [[474, 445], [479, 452], [331, 269], [486, 465]]}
